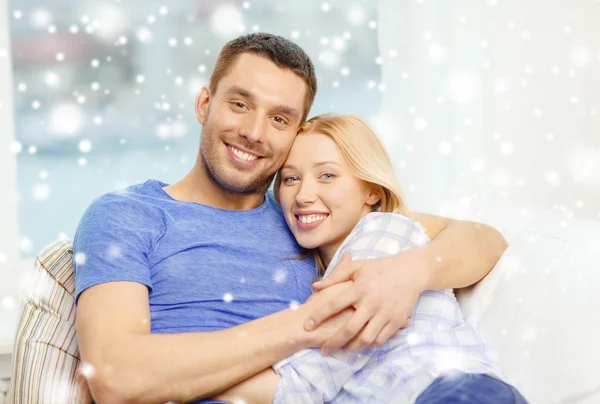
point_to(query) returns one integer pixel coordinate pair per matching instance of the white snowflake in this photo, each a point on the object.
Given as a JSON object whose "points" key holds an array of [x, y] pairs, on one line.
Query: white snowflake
{"points": [[280, 275], [227, 297], [437, 53], [500, 85], [328, 58], [356, 14], [51, 79], [143, 34], [552, 177], [41, 192], [227, 20], [15, 147], [464, 87], [445, 148], [85, 146], [114, 250], [420, 124], [87, 370], [41, 17], [80, 258], [8, 302], [506, 148], [25, 244]]}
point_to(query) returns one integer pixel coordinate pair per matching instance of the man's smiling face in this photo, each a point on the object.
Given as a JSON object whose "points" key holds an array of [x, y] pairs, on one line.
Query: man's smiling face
{"points": [[249, 123]]}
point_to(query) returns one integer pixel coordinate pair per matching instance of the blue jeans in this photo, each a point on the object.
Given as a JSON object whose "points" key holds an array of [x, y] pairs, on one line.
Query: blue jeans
{"points": [[465, 388], [460, 388]]}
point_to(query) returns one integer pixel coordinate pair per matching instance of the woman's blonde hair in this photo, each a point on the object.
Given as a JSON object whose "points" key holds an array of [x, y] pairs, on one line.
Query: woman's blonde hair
{"points": [[366, 158]]}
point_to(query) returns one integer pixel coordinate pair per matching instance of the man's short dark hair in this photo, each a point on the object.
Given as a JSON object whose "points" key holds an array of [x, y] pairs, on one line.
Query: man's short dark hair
{"points": [[283, 52]]}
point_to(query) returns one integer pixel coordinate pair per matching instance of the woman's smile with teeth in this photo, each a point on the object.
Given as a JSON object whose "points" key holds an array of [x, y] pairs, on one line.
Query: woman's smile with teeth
{"points": [[311, 218], [240, 154]]}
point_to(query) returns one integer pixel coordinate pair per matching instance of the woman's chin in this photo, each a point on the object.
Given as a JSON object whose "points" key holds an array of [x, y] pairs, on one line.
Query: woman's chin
{"points": [[308, 242]]}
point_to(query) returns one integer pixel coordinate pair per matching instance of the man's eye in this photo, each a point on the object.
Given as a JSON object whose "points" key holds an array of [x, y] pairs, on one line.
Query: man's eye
{"points": [[240, 105], [279, 119]]}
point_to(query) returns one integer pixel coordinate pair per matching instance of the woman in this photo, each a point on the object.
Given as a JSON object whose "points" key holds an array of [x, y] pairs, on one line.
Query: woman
{"points": [[339, 194]]}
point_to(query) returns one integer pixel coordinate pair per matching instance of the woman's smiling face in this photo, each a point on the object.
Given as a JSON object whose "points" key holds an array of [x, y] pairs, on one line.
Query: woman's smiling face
{"points": [[321, 200]]}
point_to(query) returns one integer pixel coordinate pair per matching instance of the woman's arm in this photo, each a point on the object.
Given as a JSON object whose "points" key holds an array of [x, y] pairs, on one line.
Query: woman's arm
{"points": [[259, 389]]}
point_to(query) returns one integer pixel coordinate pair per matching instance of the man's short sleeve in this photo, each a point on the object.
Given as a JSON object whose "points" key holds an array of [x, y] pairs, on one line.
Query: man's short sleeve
{"points": [[112, 243]]}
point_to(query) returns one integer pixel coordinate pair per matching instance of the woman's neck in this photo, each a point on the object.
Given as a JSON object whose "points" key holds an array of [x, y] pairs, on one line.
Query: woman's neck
{"points": [[326, 252]]}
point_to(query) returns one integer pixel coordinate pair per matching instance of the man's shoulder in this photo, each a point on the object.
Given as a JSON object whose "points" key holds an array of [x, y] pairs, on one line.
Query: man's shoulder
{"points": [[135, 200]]}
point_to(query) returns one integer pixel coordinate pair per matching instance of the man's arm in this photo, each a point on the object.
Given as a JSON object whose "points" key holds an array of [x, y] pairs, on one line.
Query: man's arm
{"points": [[460, 253], [386, 289], [124, 363]]}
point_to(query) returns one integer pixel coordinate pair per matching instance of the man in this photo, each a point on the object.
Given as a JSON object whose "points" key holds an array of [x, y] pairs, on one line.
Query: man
{"points": [[184, 291]]}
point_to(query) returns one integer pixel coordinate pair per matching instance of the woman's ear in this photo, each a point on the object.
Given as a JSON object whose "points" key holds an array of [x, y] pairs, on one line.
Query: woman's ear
{"points": [[202, 102], [373, 197]]}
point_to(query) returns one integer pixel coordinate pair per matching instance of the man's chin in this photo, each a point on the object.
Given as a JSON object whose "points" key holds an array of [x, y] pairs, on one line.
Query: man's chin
{"points": [[237, 186]]}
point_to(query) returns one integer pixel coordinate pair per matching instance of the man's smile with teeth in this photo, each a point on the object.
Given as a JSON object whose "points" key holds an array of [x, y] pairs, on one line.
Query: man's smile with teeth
{"points": [[242, 155]]}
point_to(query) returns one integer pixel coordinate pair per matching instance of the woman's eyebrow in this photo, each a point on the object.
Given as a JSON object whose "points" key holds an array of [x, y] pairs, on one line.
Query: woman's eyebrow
{"points": [[322, 163]]}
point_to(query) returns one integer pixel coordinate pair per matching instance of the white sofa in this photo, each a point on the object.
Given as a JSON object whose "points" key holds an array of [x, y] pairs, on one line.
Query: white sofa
{"points": [[537, 307]]}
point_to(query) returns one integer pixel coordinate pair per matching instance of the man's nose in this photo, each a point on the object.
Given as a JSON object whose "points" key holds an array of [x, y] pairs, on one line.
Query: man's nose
{"points": [[254, 128]]}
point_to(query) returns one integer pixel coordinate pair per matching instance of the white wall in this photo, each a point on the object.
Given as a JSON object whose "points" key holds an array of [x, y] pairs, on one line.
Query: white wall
{"points": [[515, 95], [9, 252]]}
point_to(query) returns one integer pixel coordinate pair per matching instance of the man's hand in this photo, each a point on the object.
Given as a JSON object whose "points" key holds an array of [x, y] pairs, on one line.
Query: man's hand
{"points": [[384, 294]]}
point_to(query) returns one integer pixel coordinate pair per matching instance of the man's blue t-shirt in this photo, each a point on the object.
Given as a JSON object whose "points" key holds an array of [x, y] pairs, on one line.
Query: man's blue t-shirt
{"points": [[206, 268]]}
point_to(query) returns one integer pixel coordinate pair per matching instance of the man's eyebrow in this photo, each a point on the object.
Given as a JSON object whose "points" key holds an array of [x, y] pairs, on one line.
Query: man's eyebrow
{"points": [[237, 90], [289, 111], [282, 109]]}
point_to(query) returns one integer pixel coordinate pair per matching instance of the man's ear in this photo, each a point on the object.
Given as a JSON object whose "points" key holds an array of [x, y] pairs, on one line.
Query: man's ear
{"points": [[202, 102], [374, 196]]}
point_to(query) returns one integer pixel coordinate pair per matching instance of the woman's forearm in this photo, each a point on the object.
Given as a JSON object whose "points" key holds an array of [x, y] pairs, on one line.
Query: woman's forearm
{"points": [[258, 389]]}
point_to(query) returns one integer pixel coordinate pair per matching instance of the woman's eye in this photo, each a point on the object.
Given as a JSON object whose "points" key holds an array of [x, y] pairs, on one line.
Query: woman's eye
{"points": [[328, 176], [290, 180]]}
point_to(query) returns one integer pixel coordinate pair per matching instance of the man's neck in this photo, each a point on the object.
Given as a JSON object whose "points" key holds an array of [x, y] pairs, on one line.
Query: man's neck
{"points": [[197, 187]]}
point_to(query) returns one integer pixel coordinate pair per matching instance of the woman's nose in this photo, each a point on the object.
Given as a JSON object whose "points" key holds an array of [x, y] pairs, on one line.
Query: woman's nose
{"points": [[306, 194]]}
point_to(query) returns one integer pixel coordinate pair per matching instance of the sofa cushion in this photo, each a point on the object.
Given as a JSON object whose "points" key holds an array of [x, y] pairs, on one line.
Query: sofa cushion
{"points": [[46, 355], [538, 309]]}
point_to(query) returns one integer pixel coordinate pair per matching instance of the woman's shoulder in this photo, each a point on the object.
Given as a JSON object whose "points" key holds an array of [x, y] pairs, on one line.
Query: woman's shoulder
{"points": [[378, 228], [381, 234], [388, 221]]}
